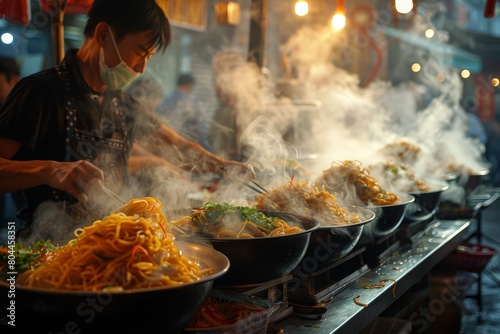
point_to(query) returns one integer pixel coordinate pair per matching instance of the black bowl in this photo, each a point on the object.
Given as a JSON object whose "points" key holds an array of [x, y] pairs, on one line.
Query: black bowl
{"points": [[426, 203], [387, 217], [258, 260], [331, 242], [474, 179], [157, 310]]}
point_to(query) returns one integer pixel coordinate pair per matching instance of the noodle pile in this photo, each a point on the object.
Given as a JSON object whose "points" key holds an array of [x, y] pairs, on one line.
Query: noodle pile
{"points": [[404, 177], [229, 221], [347, 175], [128, 249], [298, 197], [404, 151]]}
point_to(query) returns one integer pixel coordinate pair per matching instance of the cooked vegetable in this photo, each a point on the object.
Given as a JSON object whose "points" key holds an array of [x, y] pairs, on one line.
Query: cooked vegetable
{"points": [[25, 257], [224, 220]]}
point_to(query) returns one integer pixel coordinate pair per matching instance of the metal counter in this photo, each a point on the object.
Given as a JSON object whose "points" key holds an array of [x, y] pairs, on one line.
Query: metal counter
{"points": [[405, 267]]}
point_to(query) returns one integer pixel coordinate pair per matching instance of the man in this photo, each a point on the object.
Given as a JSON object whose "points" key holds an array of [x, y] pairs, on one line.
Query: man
{"points": [[9, 76], [66, 131], [183, 112]]}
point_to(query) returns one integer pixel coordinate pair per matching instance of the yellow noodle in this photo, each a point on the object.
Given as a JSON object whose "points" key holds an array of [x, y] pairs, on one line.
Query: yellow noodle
{"points": [[128, 249], [298, 197], [342, 176]]}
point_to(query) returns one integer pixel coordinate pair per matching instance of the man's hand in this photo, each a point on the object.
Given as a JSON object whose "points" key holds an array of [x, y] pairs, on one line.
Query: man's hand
{"points": [[77, 178]]}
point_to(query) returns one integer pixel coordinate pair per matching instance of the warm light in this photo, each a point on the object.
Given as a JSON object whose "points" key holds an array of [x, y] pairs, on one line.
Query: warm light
{"points": [[429, 33], [338, 21], [495, 82], [404, 6], [440, 77], [465, 74], [227, 13], [301, 8], [416, 67], [7, 38]]}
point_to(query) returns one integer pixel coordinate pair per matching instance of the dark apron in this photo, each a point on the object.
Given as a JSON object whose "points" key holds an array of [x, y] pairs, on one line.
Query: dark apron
{"points": [[107, 153]]}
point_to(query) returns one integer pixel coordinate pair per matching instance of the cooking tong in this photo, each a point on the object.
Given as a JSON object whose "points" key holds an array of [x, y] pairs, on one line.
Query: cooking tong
{"points": [[111, 194], [254, 185]]}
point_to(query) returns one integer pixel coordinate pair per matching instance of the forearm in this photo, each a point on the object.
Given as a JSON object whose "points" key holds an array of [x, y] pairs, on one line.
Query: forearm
{"points": [[18, 175], [139, 163], [184, 154]]}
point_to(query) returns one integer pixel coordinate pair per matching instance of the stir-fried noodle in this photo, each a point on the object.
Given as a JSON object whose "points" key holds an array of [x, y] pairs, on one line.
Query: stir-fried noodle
{"points": [[348, 176], [298, 197], [127, 249]]}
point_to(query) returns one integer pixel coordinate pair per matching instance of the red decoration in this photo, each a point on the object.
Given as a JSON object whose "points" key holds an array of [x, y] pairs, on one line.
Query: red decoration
{"points": [[72, 6], [16, 11], [489, 9]]}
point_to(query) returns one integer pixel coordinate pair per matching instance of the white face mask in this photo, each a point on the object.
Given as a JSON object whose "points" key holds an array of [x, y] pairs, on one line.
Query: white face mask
{"points": [[118, 76]]}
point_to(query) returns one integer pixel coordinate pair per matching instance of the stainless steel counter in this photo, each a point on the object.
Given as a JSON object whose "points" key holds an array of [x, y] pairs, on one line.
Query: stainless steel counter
{"points": [[405, 267]]}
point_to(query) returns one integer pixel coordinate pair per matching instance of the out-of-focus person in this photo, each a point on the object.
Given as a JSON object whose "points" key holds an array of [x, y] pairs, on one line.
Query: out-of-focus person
{"points": [[492, 151], [237, 85], [476, 128], [10, 74], [68, 131], [183, 112]]}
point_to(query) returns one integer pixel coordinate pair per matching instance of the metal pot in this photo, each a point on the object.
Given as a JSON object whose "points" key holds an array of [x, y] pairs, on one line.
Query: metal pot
{"points": [[426, 203], [473, 180], [332, 242], [258, 260], [387, 217], [158, 310]]}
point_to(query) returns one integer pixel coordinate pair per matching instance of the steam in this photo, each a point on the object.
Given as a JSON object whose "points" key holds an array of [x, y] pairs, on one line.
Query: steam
{"points": [[356, 123]]}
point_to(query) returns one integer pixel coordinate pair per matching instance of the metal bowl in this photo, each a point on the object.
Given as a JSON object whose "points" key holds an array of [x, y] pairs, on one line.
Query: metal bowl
{"points": [[258, 260], [426, 203], [158, 310], [331, 242], [474, 179], [387, 217], [450, 178]]}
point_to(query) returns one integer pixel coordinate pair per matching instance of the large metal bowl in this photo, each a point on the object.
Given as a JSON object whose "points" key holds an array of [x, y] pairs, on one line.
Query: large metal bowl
{"points": [[258, 260], [153, 310], [426, 203], [387, 217], [474, 179], [331, 242]]}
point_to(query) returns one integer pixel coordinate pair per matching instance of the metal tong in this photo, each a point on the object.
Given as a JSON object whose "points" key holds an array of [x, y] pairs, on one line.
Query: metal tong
{"points": [[255, 186], [111, 194]]}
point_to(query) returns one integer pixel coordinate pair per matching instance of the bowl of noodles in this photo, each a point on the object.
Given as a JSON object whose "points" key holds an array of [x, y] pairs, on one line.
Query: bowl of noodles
{"points": [[340, 225], [388, 217], [261, 245], [125, 273], [402, 178], [354, 184], [330, 243], [426, 202]]}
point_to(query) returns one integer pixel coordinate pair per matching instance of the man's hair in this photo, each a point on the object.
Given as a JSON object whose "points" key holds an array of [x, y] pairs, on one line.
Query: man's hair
{"points": [[131, 16], [9, 67], [185, 80]]}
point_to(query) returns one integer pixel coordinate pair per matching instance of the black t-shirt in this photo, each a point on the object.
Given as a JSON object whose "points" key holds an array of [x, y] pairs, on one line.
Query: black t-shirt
{"points": [[102, 132]]}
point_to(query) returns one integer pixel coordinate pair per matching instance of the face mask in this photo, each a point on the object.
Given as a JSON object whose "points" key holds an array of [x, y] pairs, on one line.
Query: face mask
{"points": [[118, 76]]}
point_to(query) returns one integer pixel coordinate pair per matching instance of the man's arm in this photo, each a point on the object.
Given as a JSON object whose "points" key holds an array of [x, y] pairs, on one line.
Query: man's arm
{"points": [[192, 157], [72, 177]]}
